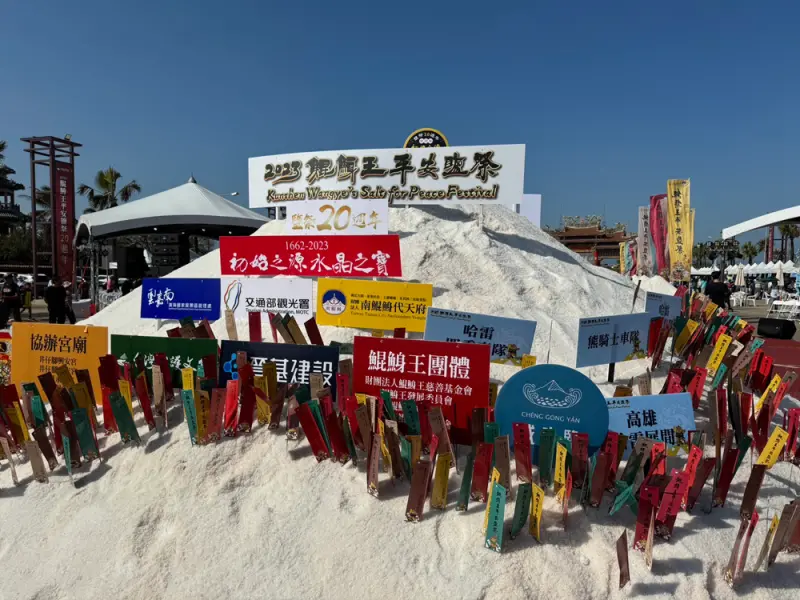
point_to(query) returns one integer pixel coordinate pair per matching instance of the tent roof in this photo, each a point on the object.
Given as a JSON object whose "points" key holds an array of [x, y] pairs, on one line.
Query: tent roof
{"points": [[779, 217], [189, 208]]}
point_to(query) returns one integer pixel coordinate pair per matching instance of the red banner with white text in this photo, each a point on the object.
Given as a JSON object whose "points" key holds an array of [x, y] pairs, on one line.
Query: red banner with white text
{"points": [[311, 255], [453, 376], [63, 218]]}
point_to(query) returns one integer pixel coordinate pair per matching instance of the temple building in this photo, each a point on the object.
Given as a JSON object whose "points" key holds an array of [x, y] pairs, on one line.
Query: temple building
{"points": [[588, 237]]}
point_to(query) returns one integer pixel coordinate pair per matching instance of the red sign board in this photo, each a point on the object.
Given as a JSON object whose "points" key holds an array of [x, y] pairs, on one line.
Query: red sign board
{"points": [[453, 376], [311, 255], [63, 190]]}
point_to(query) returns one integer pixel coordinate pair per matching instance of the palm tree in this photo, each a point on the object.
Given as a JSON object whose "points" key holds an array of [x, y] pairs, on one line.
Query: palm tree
{"points": [[699, 254], [791, 232], [105, 193], [749, 251]]}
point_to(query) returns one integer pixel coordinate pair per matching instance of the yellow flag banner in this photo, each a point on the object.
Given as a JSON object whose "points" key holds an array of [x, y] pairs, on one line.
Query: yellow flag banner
{"points": [[717, 356], [679, 226], [775, 445]]}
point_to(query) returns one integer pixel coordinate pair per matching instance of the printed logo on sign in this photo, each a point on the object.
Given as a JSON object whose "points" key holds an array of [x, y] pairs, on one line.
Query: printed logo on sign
{"points": [[551, 395], [334, 302]]}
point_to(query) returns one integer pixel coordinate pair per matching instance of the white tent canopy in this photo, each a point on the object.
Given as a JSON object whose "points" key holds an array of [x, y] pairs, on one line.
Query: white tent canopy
{"points": [[188, 206], [779, 217]]}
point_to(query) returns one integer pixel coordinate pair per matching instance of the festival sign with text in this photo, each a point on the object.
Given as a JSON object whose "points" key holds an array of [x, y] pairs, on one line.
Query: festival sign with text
{"points": [[381, 305], [654, 417], [40, 348], [453, 175], [662, 305], [294, 363], [311, 255], [343, 217], [174, 298], [285, 295], [181, 353], [453, 376], [606, 340], [508, 338]]}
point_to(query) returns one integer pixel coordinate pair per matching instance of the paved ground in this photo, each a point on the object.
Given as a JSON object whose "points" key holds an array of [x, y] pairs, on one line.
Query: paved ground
{"points": [[754, 315]]}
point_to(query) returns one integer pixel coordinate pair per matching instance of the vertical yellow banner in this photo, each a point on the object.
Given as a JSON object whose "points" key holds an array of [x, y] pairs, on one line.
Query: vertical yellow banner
{"points": [[622, 258], [440, 479], [679, 226], [684, 336], [560, 476], [125, 390], [495, 479], [717, 356], [537, 502], [187, 377]]}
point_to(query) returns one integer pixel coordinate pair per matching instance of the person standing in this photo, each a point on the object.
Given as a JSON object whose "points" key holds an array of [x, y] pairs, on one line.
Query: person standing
{"points": [[11, 297], [718, 292], [56, 298]]}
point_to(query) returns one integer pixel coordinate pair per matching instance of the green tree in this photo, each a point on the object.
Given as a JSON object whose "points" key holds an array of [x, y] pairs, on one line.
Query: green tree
{"points": [[750, 251], [699, 254], [789, 233], [105, 193]]}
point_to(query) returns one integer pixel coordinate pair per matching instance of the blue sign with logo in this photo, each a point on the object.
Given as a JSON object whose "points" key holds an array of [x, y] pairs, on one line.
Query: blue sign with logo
{"points": [[606, 340], [553, 396], [508, 339], [654, 417], [173, 298], [662, 305]]}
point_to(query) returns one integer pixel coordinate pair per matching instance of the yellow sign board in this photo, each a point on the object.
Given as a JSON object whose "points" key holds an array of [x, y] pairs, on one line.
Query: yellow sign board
{"points": [[125, 390], [537, 502], [774, 448], [40, 347], [717, 356], [772, 387], [685, 335], [528, 360], [560, 477], [365, 304]]}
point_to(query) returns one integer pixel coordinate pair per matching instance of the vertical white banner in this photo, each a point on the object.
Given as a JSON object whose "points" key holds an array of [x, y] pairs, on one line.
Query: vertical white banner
{"points": [[644, 258]]}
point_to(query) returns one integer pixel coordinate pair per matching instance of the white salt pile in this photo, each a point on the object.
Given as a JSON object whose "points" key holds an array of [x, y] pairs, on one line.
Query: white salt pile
{"points": [[255, 517], [510, 268]]}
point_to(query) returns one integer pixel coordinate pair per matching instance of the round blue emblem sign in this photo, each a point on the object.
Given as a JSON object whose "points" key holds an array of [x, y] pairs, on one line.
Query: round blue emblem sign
{"points": [[553, 396]]}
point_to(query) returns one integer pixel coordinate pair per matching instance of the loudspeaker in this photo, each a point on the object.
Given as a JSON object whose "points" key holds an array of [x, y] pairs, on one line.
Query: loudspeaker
{"points": [[776, 328]]}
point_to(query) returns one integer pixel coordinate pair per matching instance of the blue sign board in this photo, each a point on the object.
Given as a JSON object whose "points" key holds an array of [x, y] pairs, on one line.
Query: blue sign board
{"points": [[606, 340], [507, 338], [662, 305], [654, 417], [173, 298], [553, 396]]}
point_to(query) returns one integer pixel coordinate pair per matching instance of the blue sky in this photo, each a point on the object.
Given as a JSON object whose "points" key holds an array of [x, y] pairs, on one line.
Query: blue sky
{"points": [[611, 98]]}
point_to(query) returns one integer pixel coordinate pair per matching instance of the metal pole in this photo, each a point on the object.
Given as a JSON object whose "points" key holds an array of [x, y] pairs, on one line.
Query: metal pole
{"points": [[93, 269], [33, 217]]}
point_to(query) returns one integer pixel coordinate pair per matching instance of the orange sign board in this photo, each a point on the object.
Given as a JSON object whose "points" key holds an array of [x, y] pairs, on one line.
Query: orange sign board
{"points": [[38, 347]]}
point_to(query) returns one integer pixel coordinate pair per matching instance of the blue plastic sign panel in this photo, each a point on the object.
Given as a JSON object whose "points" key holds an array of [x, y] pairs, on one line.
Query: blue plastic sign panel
{"points": [[553, 396], [507, 338], [662, 305], [606, 340], [654, 417], [173, 298]]}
